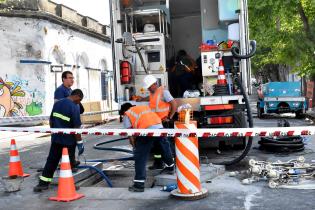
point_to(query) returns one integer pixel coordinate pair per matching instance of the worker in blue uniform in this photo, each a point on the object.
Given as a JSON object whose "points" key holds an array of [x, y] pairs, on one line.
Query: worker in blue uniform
{"points": [[65, 114]]}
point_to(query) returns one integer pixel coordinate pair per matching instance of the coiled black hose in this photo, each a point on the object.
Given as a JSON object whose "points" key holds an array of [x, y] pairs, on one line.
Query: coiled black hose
{"points": [[282, 144], [99, 147], [235, 51]]}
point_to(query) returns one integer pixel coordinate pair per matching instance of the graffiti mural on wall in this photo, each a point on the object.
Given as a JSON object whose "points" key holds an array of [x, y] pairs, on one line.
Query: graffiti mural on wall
{"points": [[16, 100], [8, 90]]}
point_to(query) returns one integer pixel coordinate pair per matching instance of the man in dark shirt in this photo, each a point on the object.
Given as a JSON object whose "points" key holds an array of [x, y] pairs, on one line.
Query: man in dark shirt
{"points": [[64, 90], [65, 114], [184, 71]]}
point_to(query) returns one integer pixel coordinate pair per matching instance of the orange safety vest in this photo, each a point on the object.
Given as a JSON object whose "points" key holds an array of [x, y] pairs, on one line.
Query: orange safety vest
{"points": [[161, 108], [142, 117]]}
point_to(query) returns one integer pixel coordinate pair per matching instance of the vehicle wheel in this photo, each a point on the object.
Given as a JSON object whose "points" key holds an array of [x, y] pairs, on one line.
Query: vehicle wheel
{"points": [[240, 122], [260, 112], [299, 114]]}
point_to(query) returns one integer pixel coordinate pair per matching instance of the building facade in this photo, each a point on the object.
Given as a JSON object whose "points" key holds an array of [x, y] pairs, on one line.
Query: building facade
{"points": [[40, 40]]}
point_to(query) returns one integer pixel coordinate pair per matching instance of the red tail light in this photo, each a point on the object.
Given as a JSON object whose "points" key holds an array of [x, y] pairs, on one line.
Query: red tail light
{"points": [[220, 120]]}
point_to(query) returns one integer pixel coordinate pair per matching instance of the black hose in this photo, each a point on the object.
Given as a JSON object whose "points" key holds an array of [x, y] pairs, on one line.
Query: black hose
{"points": [[251, 125], [247, 104], [282, 144], [109, 183], [140, 56], [235, 51], [98, 147]]}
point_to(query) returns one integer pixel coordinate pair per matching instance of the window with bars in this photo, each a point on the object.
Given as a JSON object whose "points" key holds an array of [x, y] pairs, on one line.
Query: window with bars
{"points": [[104, 85]]}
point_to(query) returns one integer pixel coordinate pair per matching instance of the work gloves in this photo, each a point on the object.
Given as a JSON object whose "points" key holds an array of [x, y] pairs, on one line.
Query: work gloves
{"points": [[80, 147]]}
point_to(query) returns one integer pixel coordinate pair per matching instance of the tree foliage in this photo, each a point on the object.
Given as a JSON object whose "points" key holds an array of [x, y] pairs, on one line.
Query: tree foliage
{"points": [[285, 33]]}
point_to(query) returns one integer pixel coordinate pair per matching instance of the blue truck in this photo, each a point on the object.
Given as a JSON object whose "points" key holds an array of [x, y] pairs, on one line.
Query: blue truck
{"points": [[281, 97]]}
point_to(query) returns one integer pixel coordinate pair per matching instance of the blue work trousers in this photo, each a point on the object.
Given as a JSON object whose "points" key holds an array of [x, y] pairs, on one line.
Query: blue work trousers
{"points": [[142, 152]]}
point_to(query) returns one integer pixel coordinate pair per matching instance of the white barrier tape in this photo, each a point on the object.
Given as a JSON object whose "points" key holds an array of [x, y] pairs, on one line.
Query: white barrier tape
{"points": [[43, 117], [220, 132]]}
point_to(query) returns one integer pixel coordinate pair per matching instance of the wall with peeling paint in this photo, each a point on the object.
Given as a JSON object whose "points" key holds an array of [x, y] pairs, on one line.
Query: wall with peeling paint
{"points": [[29, 48]]}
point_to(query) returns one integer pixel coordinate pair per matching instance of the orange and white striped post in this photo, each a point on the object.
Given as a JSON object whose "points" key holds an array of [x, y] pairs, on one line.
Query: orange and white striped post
{"points": [[221, 74], [187, 165]]}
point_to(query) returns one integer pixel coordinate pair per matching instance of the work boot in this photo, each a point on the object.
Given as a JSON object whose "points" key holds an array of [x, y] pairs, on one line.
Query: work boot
{"points": [[168, 170], [42, 185], [137, 187], [76, 163], [157, 164]]}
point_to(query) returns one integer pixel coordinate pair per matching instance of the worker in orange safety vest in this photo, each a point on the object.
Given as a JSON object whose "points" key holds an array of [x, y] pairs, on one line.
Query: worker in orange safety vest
{"points": [[164, 105], [141, 117]]}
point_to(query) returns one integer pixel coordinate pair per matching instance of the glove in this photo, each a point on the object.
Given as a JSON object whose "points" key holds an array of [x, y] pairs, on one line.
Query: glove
{"points": [[80, 147]]}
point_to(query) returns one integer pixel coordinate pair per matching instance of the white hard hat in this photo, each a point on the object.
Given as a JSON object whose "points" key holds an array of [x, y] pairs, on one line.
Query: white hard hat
{"points": [[148, 81]]}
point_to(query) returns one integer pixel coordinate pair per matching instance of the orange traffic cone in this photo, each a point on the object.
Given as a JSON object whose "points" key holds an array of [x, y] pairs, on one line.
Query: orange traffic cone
{"points": [[66, 188], [221, 74], [15, 165]]}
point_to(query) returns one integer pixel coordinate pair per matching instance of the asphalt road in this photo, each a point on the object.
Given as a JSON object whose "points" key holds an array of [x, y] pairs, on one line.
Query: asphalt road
{"points": [[224, 192]]}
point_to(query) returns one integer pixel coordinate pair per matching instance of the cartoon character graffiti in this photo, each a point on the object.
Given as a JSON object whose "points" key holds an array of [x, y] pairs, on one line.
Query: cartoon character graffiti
{"points": [[8, 90]]}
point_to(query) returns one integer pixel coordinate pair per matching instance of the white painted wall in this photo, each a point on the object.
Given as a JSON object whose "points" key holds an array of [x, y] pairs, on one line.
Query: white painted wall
{"points": [[33, 39], [187, 35]]}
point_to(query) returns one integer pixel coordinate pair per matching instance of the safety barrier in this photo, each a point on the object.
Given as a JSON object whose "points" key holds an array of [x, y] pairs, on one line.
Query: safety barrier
{"points": [[5, 120], [187, 165], [220, 132]]}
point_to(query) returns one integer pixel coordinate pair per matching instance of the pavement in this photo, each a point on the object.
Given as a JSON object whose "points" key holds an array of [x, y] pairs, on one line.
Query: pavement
{"points": [[224, 192]]}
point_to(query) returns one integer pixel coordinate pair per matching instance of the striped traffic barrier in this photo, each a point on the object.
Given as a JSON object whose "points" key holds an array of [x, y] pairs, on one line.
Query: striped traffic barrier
{"points": [[187, 166], [200, 132]]}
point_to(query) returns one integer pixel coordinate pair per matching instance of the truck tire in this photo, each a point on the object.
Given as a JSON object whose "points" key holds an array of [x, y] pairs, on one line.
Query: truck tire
{"points": [[299, 114], [240, 122]]}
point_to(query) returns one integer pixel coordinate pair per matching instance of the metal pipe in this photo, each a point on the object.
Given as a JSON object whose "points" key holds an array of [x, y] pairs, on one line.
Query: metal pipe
{"points": [[160, 21], [243, 49], [113, 47], [249, 69]]}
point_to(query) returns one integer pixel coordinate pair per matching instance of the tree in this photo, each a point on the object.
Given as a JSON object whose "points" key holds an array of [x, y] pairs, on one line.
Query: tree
{"points": [[285, 33]]}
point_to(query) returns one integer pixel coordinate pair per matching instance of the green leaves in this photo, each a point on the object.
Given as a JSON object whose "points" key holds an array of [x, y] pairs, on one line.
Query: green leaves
{"points": [[285, 33]]}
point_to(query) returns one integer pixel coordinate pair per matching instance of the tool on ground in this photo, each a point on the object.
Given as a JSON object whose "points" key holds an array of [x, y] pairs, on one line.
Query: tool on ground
{"points": [[294, 173]]}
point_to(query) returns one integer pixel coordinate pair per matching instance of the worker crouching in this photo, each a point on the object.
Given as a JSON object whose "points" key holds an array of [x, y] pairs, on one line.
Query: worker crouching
{"points": [[141, 117]]}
